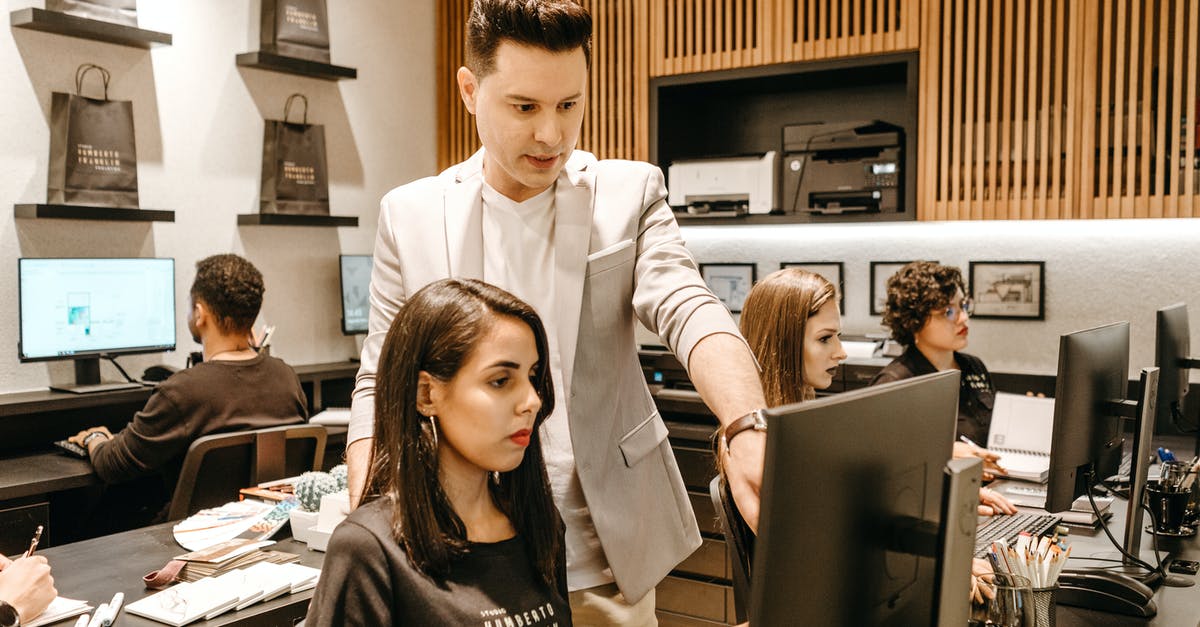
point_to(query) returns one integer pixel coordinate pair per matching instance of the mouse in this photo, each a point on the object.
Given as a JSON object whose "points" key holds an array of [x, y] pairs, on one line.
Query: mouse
{"points": [[158, 372], [1106, 592]]}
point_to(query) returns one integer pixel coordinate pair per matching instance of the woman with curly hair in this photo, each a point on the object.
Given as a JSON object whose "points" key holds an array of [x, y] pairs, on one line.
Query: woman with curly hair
{"points": [[929, 314]]}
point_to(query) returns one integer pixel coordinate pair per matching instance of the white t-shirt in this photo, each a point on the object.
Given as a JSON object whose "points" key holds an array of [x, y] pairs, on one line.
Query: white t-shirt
{"points": [[518, 256]]}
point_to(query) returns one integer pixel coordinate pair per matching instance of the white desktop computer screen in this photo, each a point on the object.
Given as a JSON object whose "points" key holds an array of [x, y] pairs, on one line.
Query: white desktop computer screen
{"points": [[72, 308], [356, 282]]}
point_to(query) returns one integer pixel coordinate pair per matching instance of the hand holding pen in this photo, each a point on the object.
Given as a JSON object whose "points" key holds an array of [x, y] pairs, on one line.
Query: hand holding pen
{"points": [[991, 466]]}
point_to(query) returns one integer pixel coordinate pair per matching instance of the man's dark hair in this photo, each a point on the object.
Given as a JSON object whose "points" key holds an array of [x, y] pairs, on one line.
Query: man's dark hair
{"points": [[916, 291], [554, 25], [435, 332], [232, 288]]}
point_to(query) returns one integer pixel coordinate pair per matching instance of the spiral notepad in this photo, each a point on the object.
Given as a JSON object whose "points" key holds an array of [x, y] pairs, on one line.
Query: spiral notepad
{"points": [[1020, 432]]}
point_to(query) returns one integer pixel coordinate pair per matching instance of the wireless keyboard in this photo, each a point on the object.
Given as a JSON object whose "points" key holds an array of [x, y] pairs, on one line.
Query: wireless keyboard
{"points": [[1007, 528], [72, 449]]}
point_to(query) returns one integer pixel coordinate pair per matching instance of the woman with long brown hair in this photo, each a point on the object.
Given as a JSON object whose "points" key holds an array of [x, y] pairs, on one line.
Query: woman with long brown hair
{"points": [[457, 525]]}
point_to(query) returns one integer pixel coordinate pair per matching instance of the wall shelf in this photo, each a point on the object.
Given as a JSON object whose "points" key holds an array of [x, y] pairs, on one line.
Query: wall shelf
{"points": [[75, 26], [83, 212], [287, 219], [291, 65]]}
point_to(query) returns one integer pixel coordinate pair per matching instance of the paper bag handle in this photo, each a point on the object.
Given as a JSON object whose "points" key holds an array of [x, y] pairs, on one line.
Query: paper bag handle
{"points": [[82, 72], [287, 107]]}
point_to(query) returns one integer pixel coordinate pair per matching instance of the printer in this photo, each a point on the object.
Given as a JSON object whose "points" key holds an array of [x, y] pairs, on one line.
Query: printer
{"points": [[724, 187], [844, 171]]}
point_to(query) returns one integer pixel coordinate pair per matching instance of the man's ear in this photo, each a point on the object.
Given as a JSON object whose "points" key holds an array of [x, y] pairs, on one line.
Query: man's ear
{"points": [[468, 88], [200, 313], [430, 392]]}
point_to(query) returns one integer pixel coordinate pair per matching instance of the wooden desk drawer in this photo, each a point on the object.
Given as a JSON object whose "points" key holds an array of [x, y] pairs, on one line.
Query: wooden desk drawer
{"points": [[710, 560], [695, 597], [706, 516], [696, 464]]}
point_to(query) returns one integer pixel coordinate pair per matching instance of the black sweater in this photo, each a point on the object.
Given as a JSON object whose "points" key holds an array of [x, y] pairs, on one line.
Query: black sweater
{"points": [[367, 579]]}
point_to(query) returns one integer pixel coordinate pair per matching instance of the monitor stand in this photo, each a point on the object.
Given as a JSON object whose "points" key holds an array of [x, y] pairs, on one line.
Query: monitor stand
{"points": [[87, 379]]}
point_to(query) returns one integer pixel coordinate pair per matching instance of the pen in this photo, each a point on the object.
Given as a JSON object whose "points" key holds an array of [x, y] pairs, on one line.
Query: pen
{"points": [[37, 536], [963, 438], [82, 621], [114, 606], [98, 616]]}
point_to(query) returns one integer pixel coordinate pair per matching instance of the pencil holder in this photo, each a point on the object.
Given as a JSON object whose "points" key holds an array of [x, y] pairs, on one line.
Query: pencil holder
{"points": [[1045, 602]]}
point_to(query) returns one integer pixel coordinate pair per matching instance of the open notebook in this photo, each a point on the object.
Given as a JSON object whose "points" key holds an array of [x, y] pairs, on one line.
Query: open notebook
{"points": [[1020, 432]]}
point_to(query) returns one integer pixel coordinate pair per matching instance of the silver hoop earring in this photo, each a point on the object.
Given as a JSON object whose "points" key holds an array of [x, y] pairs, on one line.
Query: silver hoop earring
{"points": [[496, 477], [433, 425]]}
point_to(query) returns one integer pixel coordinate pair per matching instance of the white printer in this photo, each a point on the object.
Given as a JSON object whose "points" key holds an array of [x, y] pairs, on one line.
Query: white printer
{"points": [[729, 186]]}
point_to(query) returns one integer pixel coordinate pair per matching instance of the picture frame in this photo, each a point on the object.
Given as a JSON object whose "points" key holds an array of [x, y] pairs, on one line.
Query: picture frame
{"points": [[1009, 289], [881, 271], [730, 282], [832, 271]]}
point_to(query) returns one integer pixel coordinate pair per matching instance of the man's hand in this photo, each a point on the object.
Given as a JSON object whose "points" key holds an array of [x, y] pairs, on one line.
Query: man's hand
{"points": [[358, 461], [78, 438], [991, 465], [743, 470], [992, 502], [26, 585]]}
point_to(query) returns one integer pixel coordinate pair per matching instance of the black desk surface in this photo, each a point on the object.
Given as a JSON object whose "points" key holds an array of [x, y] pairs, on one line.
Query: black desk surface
{"points": [[96, 569], [42, 473]]}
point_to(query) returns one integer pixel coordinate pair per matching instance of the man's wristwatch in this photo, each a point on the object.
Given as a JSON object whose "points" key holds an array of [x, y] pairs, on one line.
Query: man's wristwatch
{"points": [[754, 420], [9, 616], [87, 440]]}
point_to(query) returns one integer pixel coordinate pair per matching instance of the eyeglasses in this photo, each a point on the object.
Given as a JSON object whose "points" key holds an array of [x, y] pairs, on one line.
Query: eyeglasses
{"points": [[966, 305]]}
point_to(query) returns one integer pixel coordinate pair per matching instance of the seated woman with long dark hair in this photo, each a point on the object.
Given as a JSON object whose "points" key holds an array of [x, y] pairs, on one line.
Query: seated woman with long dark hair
{"points": [[457, 525]]}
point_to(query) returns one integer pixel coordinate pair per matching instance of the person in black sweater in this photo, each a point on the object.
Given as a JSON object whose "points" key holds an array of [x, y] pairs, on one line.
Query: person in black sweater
{"points": [[236, 388], [929, 314], [457, 525]]}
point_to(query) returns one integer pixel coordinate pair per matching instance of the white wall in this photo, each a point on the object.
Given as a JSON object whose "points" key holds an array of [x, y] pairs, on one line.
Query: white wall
{"points": [[199, 128], [1097, 271]]}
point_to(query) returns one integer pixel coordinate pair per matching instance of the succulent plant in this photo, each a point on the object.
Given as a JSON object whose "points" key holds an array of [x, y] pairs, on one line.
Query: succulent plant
{"points": [[311, 486]]}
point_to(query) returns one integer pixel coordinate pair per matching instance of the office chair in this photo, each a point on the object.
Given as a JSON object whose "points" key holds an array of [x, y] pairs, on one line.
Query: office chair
{"points": [[218, 465], [739, 544]]}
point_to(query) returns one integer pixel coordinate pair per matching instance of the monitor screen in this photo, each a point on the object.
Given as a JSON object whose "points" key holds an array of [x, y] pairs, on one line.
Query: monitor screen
{"points": [[846, 478], [1172, 346], [1093, 371], [78, 308], [356, 282]]}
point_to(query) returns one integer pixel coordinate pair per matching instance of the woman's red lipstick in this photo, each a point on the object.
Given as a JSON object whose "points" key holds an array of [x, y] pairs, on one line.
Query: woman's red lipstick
{"points": [[521, 438]]}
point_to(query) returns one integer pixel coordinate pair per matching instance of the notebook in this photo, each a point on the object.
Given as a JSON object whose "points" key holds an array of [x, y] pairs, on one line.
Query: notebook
{"points": [[187, 602], [1021, 430]]}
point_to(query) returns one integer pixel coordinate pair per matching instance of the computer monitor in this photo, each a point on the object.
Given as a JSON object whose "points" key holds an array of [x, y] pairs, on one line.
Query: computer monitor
{"points": [[860, 523], [356, 282], [1172, 347], [84, 309]]}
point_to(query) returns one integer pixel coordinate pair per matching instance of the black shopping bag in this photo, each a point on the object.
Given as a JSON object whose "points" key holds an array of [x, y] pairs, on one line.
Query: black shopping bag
{"points": [[115, 11], [295, 28], [93, 155], [294, 174]]}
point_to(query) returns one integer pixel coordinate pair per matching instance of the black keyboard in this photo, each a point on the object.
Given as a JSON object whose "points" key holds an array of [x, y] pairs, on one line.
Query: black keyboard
{"points": [[1007, 528]]}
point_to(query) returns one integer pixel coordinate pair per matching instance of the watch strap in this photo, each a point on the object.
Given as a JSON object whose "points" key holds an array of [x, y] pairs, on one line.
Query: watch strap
{"points": [[87, 440], [8, 615], [755, 420]]}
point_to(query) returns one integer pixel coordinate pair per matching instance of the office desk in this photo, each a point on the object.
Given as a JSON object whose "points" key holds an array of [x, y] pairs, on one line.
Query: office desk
{"points": [[96, 569], [1176, 606]]}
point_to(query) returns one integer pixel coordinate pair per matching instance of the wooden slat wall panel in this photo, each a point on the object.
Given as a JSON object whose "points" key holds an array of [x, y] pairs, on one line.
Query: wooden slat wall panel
{"points": [[616, 123], [703, 35], [1139, 148], [995, 83]]}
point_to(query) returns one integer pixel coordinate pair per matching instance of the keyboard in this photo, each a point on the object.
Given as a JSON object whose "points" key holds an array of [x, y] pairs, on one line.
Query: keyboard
{"points": [[96, 387], [72, 449], [1007, 528]]}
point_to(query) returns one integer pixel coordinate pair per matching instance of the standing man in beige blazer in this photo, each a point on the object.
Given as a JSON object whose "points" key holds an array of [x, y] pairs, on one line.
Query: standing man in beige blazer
{"points": [[594, 247]]}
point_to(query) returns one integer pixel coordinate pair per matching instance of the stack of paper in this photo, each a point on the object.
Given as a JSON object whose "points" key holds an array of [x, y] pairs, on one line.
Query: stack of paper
{"points": [[251, 519], [60, 608], [187, 602]]}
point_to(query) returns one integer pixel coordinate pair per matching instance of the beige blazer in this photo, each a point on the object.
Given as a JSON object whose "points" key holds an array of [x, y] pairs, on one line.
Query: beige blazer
{"points": [[618, 255]]}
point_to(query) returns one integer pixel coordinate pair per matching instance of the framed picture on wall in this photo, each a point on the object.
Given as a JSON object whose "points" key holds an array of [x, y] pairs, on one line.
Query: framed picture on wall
{"points": [[730, 282], [881, 271], [830, 270], [1009, 289]]}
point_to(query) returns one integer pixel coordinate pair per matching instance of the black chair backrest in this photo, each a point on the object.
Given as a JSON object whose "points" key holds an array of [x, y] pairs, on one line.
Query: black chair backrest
{"points": [[218, 465], [739, 543]]}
